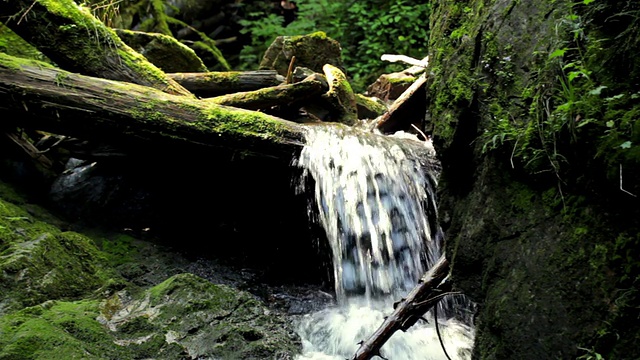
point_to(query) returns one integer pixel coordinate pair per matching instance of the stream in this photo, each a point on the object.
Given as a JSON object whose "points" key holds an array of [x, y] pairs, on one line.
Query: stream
{"points": [[376, 201]]}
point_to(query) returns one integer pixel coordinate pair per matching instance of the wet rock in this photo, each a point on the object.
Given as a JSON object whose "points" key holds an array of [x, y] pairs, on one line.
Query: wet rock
{"points": [[203, 319]]}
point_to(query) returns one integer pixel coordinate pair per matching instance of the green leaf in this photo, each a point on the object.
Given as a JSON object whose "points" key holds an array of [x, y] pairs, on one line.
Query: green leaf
{"points": [[610, 124], [574, 74], [587, 2], [597, 90], [558, 53], [615, 97], [626, 145]]}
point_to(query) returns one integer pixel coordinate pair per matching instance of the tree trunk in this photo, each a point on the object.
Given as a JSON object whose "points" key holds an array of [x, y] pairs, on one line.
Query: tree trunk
{"points": [[76, 41], [220, 83], [422, 298], [132, 116]]}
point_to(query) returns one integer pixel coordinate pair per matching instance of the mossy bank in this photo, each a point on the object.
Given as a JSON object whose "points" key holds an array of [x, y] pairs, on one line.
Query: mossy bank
{"points": [[536, 127]]}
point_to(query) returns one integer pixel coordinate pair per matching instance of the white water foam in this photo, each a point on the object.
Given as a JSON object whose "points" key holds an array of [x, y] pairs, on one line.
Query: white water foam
{"points": [[375, 199]]}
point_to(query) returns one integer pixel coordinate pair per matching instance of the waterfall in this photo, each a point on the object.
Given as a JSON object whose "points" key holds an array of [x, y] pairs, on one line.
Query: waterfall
{"points": [[375, 198]]}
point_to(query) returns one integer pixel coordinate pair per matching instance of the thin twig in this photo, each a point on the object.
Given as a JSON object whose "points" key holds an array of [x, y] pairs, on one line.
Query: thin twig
{"points": [[26, 12], [513, 153], [435, 320], [289, 77], [437, 297], [621, 184], [420, 131]]}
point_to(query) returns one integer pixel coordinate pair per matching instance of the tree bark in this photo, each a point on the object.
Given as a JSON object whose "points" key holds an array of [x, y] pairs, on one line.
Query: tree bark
{"points": [[132, 116], [78, 42], [422, 298], [220, 83]]}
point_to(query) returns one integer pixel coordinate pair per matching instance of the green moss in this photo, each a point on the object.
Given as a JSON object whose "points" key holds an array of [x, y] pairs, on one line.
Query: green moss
{"points": [[163, 51], [318, 35], [213, 51], [16, 63], [39, 262], [408, 80], [14, 45], [372, 107], [63, 330]]}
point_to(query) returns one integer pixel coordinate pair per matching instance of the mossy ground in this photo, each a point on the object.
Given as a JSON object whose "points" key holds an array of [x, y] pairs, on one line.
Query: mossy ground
{"points": [[66, 295]]}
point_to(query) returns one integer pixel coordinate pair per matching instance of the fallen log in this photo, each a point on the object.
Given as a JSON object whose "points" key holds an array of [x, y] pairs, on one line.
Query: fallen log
{"points": [[408, 311], [131, 116], [220, 83], [78, 42], [271, 96]]}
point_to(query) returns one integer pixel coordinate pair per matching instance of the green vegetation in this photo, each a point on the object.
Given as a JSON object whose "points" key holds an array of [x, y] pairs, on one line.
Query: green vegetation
{"points": [[365, 29], [157, 17], [580, 104], [56, 329]]}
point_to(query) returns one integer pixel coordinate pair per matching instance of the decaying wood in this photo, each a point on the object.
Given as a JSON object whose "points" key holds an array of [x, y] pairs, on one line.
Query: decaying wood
{"points": [[408, 311], [340, 97], [132, 116], [76, 41], [396, 117], [220, 83], [271, 96]]}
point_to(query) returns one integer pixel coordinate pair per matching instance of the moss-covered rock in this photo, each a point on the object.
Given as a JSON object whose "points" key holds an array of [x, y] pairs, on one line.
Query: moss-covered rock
{"points": [[312, 51], [38, 262], [57, 329], [61, 297], [203, 319], [536, 234]]}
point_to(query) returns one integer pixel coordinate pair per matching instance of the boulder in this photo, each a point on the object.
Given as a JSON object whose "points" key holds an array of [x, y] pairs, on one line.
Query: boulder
{"points": [[312, 51]]}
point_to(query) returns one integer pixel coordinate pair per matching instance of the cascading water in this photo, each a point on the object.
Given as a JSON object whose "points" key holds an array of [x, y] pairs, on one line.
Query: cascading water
{"points": [[375, 200]]}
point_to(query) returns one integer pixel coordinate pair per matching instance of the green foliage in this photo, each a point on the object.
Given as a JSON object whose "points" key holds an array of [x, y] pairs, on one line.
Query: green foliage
{"points": [[590, 353], [365, 29], [581, 106]]}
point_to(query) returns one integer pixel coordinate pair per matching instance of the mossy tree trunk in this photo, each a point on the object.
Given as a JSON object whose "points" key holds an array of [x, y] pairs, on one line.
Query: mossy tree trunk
{"points": [[131, 116], [76, 41]]}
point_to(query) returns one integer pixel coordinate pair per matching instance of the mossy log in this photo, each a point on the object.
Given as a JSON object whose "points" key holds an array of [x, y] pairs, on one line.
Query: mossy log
{"points": [[408, 311], [131, 116], [220, 83], [340, 96], [163, 51], [271, 96], [76, 41]]}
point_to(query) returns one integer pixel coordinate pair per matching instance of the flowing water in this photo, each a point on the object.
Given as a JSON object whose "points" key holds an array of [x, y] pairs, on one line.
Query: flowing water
{"points": [[375, 199]]}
